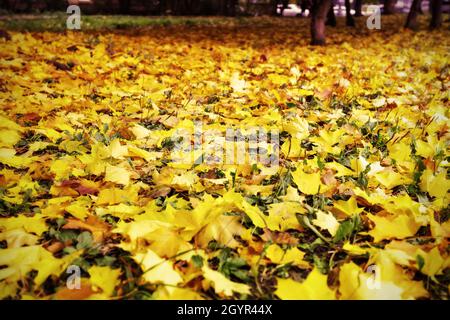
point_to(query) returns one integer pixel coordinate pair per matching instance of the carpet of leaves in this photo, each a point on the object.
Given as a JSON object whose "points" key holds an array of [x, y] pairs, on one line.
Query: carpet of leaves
{"points": [[358, 207]]}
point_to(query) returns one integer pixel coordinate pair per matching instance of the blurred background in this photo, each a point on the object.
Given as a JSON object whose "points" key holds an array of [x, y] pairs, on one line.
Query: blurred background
{"points": [[293, 8]]}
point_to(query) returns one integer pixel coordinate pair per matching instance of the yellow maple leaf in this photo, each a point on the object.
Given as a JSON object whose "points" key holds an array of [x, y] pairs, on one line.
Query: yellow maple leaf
{"points": [[340, 169], [282, 215], [115, 195], [348, 207], [387, 271], [8, 138], [308, 183], [223, 285], [104, 278], [298, 127], [117, 150], [279, 256], [19, 261], [400, 151], [291, 148], [434, 263], [359, 285], [354, 249], [292, 195], [400, 227], [313, 288], [326, 221], [16, 238], [35, 224], [390, 179], [222, 229], [163, 293], [8, 157], [157, 270], [80, 207], [117, 175], [62, 168], [436, 185]]}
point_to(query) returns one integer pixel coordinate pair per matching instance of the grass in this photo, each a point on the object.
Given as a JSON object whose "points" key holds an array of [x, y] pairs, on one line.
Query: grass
{"points": [[57, 22]]}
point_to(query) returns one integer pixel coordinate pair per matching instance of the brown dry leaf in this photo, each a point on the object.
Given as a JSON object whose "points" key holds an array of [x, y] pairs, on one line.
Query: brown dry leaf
{"points": [[84, 292], [98, 228]]}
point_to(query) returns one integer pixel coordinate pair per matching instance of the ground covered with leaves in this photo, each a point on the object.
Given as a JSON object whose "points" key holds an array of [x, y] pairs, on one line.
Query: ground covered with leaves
{"points": [[90, 176]]}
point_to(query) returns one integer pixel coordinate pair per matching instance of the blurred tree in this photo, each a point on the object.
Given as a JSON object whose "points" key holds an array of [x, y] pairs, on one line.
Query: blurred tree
{"points": [[414, 11], [319, 12], [358, 8], [349, 21], [304, 5], [274, 6], [4, 4], [197, 7], [124, 6], [411, 20], [284, 5], [228, 7], [389, 6], [331, 17], [436, 14]]}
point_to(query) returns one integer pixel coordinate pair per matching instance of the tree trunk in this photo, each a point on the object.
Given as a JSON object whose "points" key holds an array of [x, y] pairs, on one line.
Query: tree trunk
{"points": [[411, 20], [168, 6], [436, 14], [192, 7], [348, 14], [284, 5], [124, 6], [331, 17], [4, 4], [389, 6], [232, 7], [226, 7], [274, 4], [318, 15], [222, 7], [29, 6], [162, 7], [358, 8], [176, 7], [304, 5]]}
